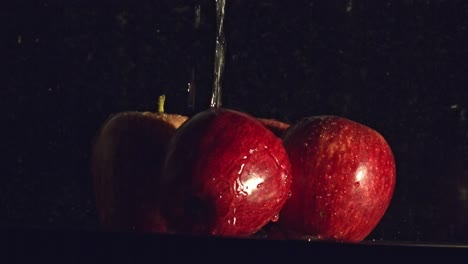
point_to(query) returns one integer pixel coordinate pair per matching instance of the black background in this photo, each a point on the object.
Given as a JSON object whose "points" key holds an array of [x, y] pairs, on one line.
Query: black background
{"points": [[397, 66]]}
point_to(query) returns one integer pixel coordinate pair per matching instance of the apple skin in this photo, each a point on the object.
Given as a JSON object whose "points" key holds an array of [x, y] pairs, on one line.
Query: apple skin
{"points": [[226, 175], [276, 126], [344, 178], [126, 161]]}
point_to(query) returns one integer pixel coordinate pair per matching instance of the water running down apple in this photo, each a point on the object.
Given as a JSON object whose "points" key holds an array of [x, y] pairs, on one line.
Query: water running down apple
{"points": [[225, 174]]}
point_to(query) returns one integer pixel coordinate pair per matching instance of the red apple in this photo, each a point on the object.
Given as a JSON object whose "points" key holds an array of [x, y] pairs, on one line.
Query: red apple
{"points": [[127, 160], [343, 179], [226, 175], [276, 126]]}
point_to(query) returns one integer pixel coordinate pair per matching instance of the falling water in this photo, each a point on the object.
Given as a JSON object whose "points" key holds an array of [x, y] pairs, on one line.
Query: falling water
{"points": [[191, 87], [349, 6], [219, 54]]}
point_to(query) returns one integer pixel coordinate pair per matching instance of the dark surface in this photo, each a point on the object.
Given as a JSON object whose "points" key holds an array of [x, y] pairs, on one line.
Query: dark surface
{"points": [[397, 66], [72, 246]]}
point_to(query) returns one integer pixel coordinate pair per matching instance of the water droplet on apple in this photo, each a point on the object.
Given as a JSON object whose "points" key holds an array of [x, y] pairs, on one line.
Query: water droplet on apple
{"points": [[289, 194], [252, 150], [241, 169], [357, 184], [239, 188], [275, 218], [259, 185]]}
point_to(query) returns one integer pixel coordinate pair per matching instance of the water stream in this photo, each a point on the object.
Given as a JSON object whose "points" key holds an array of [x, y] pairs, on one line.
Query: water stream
{"points": [[219, 54], [191, 87]]}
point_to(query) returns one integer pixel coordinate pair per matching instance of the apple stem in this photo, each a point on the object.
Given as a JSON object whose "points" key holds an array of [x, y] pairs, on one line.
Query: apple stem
{"points": [[161, 100]]}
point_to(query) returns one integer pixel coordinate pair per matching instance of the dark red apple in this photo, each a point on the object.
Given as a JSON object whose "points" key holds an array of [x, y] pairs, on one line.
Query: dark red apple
{"points": [[343, 179], [276, 126], [126, 162], [226, 175]]}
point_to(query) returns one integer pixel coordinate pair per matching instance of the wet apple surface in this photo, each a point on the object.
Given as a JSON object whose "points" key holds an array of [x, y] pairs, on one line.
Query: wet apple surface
{"points": [[344, 178], [226, 174]]}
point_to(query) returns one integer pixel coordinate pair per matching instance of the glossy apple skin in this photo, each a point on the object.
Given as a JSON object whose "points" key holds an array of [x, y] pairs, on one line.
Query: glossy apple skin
{"points": [[226, 175], [126, 161], [344, 178]]}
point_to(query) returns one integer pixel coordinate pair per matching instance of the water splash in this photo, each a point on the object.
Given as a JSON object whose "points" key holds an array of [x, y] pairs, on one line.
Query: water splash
{"points": [[219, 54]]}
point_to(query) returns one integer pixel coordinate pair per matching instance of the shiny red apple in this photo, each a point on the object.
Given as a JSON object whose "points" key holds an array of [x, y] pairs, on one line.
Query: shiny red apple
{"points": [[343, 179], [226, 174]]}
